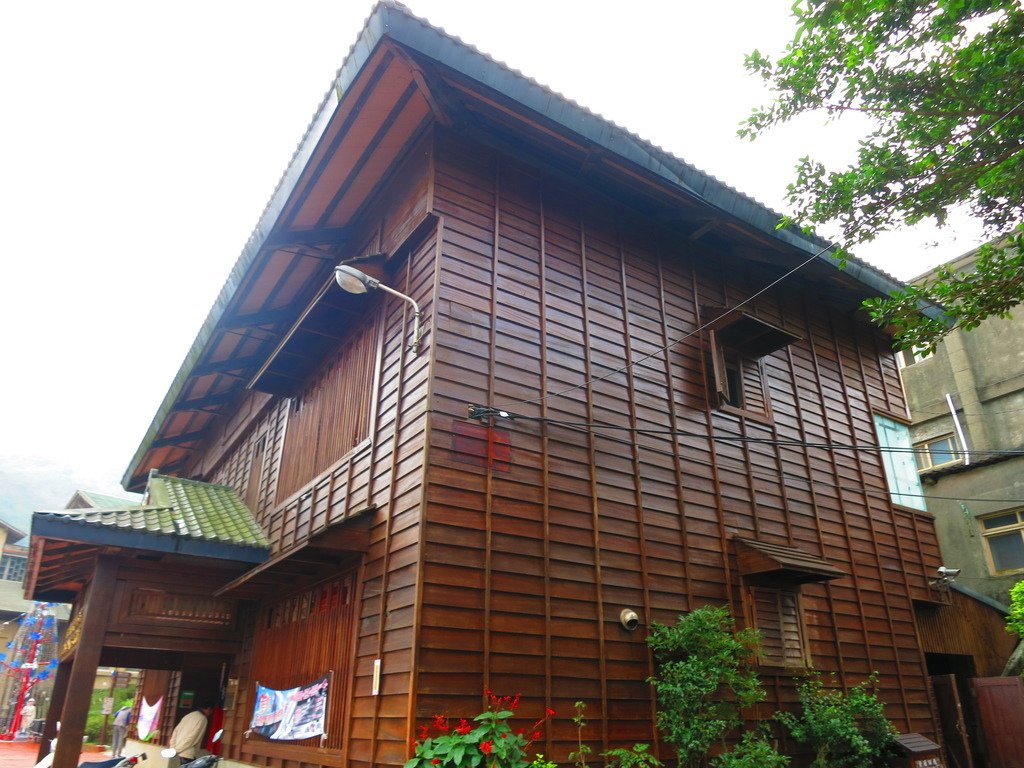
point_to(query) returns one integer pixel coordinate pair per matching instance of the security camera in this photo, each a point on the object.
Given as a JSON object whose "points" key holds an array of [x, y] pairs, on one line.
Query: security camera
{"points": [[948, 573], [628, 619]]}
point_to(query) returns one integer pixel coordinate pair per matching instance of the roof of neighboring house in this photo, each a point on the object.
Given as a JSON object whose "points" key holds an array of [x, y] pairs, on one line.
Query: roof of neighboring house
{"points": [[990, 602], [12, 533], [195, 397], [179, 515], [98, 500]]}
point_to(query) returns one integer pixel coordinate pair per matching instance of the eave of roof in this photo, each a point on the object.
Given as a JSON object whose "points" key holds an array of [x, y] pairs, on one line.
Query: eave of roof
{"points": [[392, 20], [65, 526]]}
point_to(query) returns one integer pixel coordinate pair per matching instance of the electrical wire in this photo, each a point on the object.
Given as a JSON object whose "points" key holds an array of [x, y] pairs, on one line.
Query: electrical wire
{"points": [[731, 464], [767, 287], [759, 440]]}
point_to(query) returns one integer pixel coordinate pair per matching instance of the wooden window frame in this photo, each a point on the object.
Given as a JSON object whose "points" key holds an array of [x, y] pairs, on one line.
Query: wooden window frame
{"points": [[801, 658], [990, 533], [728, 363], [924, 453]]}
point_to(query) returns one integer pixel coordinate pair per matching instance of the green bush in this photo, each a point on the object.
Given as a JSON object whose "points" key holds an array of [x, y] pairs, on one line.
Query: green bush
{"points": [[846, 729], [705, 677]]}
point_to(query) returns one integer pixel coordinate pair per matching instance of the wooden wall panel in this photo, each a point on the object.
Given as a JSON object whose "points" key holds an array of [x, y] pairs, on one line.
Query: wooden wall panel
{"points": [[625, 484]]}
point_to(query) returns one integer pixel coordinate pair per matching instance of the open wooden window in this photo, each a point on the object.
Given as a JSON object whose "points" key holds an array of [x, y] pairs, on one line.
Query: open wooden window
{"points": [[737, 342]]}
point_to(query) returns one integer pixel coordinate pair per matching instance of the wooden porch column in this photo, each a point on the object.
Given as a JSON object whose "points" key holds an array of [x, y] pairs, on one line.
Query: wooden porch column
{"points": [[60, 690], [86, 661]]}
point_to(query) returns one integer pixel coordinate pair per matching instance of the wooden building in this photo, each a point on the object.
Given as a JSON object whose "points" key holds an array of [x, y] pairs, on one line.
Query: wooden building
{"points": [[632, 392]]}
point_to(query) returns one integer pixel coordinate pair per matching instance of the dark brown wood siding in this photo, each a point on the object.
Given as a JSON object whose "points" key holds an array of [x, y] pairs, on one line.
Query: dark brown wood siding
{"points": [[967, 627], [625, 484], [382, 472]]}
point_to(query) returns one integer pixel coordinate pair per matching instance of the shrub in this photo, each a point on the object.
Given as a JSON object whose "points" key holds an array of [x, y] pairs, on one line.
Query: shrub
{"points": [[705, 677], [637, 757], [491, 743], [846, 729]]}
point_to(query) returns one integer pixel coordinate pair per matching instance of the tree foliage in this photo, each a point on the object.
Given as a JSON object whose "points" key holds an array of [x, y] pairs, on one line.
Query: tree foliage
{"points": [[705, 677], [944, 82], [846, 729], [1015, 621]]}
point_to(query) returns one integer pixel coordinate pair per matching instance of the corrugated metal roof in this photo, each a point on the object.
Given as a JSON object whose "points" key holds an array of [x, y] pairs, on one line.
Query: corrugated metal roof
{"points": [[392, 20]]}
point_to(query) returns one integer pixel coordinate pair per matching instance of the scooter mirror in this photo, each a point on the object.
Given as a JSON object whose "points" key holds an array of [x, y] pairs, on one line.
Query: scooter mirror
{"points": [[218, 734], [168, 753]]}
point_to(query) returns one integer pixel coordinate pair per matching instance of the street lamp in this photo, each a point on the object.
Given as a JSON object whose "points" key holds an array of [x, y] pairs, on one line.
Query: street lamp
{"points": [[352, 280]]}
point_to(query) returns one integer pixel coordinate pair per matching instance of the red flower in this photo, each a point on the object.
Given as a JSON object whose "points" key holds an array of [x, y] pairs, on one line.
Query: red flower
{"points": [[549, 712], [535, 736], [441, 723], [486, 747], [424, 733], [463, 727], [436, 761]]}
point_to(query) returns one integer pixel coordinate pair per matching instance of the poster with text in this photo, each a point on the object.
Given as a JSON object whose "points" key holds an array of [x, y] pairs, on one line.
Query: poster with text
{"points": [[294, 713]]}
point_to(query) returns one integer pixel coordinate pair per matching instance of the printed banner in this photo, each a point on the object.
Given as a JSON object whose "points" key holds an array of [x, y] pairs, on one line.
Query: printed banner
{"points": [[149, 718], [296, 713]]}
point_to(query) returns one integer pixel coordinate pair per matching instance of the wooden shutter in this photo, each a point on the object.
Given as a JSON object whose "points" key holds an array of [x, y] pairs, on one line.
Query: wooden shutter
{"points": [[776, 613], [718, 368]]}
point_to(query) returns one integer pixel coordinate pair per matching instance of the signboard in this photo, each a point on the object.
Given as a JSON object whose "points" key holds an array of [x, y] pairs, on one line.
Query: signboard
{"points": [[294, 713], [187, 700], [108, 705]]}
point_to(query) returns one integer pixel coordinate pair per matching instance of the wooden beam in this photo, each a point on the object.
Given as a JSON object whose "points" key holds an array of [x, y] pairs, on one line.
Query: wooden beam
{"points": [[57, 697], [300, 237], [202, 403], [85, 663], [231, 364], [264, 317], [187, 437]]}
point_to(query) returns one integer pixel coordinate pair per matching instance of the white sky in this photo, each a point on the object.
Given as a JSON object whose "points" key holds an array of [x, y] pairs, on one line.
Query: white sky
{"points": [[139, 143]]}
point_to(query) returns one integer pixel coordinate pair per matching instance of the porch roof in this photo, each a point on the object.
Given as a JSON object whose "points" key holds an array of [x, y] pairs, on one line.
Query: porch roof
{"points": [[179, 516]]}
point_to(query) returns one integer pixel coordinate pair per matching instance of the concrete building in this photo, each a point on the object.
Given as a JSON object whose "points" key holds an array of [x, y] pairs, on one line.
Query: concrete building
{"points": [[967, 405]]}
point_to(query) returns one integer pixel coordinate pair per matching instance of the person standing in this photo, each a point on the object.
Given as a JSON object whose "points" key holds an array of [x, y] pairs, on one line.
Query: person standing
{"points": [[28, 715], [188, 733], [122, 719]]}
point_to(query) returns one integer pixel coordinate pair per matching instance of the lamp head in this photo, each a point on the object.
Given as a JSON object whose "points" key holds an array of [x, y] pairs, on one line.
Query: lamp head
{"points": [[352, 280]]}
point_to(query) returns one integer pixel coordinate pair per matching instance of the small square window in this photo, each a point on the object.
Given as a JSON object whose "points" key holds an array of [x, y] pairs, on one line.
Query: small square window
{"points": [[938, 453], [913, 355], [1004, 539]]}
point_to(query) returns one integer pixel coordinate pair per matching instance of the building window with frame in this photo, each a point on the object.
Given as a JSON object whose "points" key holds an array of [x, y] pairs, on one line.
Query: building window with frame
{"points": [[775, 613], [1004, 540], [937, 453], [897, 454], [12, 567], [915, 354], [737, 343]]}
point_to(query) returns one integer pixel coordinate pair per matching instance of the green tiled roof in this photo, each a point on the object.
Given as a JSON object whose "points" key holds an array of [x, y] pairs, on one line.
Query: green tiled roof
{"points": [[179, 515], [205, 510]]}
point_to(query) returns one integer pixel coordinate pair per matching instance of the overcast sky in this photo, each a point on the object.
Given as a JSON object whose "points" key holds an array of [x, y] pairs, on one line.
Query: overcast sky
{"points": [[139, 143]]}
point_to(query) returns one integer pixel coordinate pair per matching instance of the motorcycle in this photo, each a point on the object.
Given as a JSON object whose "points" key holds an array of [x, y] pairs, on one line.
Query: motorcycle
{"points": [[206, 761], [116, 762]]}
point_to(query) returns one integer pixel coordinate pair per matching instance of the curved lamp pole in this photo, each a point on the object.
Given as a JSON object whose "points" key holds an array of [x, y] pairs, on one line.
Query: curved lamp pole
{"points": [[352, 280]]}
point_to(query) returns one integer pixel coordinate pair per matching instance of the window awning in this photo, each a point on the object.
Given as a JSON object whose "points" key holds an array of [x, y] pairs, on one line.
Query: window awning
{"points": [[761, 561], [745, 333]]}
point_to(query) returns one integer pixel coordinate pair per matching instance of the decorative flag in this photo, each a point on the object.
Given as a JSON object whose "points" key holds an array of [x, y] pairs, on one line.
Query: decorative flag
{"points": [[149, 718], [295, 713]]}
